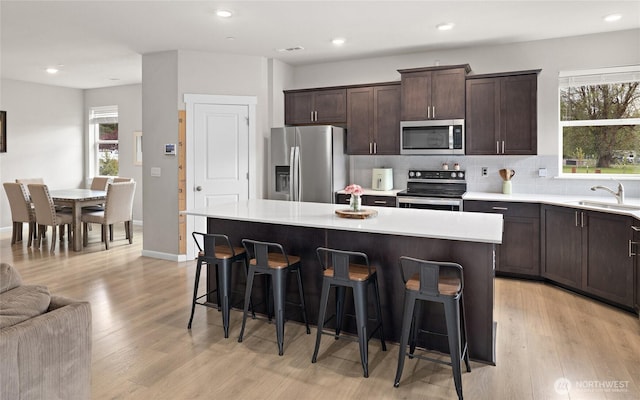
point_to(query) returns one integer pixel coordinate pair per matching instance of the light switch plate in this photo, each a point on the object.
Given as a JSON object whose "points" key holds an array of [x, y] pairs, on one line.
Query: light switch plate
{"points": [[542, 172], [156, 171]]}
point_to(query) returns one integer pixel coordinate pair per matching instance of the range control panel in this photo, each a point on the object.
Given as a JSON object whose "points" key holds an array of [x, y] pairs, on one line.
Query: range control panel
{"points": [[438, 174]]}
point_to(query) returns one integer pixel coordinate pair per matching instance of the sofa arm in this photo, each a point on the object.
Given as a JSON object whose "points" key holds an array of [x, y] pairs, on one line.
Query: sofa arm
{"points": [[48, 356]]}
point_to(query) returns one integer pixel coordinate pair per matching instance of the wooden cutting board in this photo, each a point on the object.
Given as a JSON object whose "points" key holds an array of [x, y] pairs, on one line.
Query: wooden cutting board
{"points": [[362, 214]]}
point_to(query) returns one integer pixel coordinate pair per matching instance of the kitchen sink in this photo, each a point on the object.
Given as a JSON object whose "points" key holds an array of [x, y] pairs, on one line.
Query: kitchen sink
{"points": [[611, 206]]}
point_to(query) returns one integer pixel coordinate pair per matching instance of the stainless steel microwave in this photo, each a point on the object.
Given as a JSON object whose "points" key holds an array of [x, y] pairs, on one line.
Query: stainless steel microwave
{"points": [[432, 137]]}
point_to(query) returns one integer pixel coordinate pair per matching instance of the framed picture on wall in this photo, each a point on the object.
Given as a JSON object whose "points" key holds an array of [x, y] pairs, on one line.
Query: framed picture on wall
{"points": [[3, 131]]}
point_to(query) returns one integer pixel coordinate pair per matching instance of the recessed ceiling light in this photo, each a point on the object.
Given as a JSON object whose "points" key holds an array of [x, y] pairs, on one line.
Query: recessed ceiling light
{"points": [[52, 70], [613, 17], [230, 38], [338, 41], [224, 13], [445, 27]]}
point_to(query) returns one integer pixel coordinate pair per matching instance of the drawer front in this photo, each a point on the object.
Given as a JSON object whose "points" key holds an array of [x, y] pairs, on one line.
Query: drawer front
{"points": [[506, 208], [368, 200], [342, 198], [379, 201]]}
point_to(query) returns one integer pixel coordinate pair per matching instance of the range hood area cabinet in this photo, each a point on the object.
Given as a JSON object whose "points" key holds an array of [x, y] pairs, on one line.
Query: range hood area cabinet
{"points": [[433, 92], [501, 114], [315, 106], [373, 118]]}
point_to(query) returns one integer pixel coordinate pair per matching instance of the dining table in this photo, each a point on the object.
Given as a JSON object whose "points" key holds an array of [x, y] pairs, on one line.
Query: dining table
{"points": [[77, 199]]}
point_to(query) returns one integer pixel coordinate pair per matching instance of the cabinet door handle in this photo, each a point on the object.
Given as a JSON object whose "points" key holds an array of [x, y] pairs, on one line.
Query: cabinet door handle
{"points": [[428, 112], [311, 116], [497, 147], [500, 208], [370, 148], [503, 147], [375, 147], [576, 218], [434, 112], [631, 253], [380, 201]]}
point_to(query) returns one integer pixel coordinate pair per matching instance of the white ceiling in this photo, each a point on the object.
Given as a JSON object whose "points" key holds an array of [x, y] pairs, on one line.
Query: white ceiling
{"points": [[100, 43]]}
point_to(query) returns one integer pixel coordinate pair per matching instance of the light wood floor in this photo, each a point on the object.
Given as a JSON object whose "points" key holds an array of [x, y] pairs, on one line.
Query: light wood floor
{"points": [[142, 349]]}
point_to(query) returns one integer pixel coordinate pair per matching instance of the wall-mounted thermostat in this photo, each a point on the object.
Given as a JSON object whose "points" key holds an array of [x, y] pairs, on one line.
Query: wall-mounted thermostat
{"points": [[170, 149]]}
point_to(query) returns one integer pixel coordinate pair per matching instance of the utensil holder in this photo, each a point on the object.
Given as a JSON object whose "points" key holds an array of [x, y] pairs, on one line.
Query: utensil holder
{"points": [[506, 187]]}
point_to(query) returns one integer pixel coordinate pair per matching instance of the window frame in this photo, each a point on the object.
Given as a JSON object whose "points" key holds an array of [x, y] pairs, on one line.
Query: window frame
{"points": [[609, 75], [97, 116]]}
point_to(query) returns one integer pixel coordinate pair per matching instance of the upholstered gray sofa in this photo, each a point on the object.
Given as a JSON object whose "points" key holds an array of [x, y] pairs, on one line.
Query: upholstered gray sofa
{"points": [[45, 342]]}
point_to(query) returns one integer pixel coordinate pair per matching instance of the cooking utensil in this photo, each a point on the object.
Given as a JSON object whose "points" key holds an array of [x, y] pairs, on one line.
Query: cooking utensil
{"points": [[506, 174]]}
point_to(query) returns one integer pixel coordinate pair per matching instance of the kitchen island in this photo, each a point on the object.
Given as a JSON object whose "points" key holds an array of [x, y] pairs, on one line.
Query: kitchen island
{"points": [[466, 238]]}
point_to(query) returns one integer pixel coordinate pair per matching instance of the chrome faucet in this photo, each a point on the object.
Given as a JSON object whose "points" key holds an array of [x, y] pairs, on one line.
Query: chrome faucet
{"points": [[619, 195]]}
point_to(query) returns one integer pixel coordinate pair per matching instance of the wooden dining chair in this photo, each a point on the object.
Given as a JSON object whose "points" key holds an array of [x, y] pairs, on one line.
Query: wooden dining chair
{"points": [[118, 208], [47, 215], [21, 211]]}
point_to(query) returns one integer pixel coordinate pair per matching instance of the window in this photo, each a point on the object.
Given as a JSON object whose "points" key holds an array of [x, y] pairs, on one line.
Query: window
{"points": [[600, 121], [104, 140]]}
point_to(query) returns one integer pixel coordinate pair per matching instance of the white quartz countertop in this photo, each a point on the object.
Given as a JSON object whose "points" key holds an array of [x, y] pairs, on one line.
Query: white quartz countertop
{"points": [[561, 200], [449, 225]]}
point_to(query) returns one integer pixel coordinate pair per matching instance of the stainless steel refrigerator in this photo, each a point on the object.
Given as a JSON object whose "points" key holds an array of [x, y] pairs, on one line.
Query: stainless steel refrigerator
{"points": [[308, 163]]}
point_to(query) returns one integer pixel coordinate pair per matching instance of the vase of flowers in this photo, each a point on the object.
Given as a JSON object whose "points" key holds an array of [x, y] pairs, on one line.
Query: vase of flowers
{"points": [[355, 202]]}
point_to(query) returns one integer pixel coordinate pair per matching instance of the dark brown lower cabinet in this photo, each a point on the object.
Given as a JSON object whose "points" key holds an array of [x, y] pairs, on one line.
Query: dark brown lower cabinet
{"points": [[636, 246], [519, 253], [589, 251], [368, 200], [609, 268], [561, 245]]}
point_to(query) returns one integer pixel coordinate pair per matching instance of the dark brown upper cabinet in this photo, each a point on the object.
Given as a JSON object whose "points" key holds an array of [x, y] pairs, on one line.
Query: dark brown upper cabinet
{"points": [[373, 120], [433, 92], [501, 114], [315, 106]]}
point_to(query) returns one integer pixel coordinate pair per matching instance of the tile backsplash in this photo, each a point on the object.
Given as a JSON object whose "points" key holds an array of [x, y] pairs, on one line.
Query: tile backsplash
{"points": [[526, 179]]}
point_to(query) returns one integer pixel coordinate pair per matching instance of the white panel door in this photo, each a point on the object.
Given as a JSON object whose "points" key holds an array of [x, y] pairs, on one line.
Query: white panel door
{"points": [[221, 155]]}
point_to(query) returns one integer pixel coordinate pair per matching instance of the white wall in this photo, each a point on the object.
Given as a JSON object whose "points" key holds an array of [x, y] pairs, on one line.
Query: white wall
{"points": [[552, 56], [45, 136], [166, 78], [160, 126], [128, 98]]}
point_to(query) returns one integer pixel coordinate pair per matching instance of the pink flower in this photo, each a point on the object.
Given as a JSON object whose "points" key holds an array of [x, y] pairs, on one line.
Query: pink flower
{"points": [[354, 189]]}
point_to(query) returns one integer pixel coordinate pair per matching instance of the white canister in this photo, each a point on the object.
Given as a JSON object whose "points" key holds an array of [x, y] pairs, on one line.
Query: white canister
{"points": [[506, 187], [382, 179]]}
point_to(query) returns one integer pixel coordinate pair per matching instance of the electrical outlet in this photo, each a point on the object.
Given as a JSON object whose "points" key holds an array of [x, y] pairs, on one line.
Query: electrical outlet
{"points": [[484, 171]]}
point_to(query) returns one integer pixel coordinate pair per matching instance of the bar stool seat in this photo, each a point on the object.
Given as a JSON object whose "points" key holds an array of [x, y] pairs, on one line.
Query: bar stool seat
{"points": [[216, 250], [440, 282], [342, 272], [270, 259]]}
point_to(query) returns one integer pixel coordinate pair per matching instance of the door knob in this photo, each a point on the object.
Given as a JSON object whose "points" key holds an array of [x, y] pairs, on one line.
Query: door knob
{"points": [[199, 188]]}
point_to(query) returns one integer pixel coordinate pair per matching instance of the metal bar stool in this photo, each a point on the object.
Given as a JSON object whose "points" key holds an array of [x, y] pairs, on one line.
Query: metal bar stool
{"points": [[269, 259], [340, 272], [216, 250], [440, 282]]}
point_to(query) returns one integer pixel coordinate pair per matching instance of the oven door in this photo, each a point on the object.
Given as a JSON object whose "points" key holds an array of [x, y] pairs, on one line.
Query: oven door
{"points": [[430, 203]]}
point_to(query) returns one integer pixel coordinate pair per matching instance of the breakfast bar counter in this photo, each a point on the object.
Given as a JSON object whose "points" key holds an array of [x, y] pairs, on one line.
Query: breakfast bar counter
{"points": [[465, 238]]}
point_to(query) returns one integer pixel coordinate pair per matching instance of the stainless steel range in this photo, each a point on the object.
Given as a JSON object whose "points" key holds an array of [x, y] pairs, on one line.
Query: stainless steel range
{"points": [[434, 190]]}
